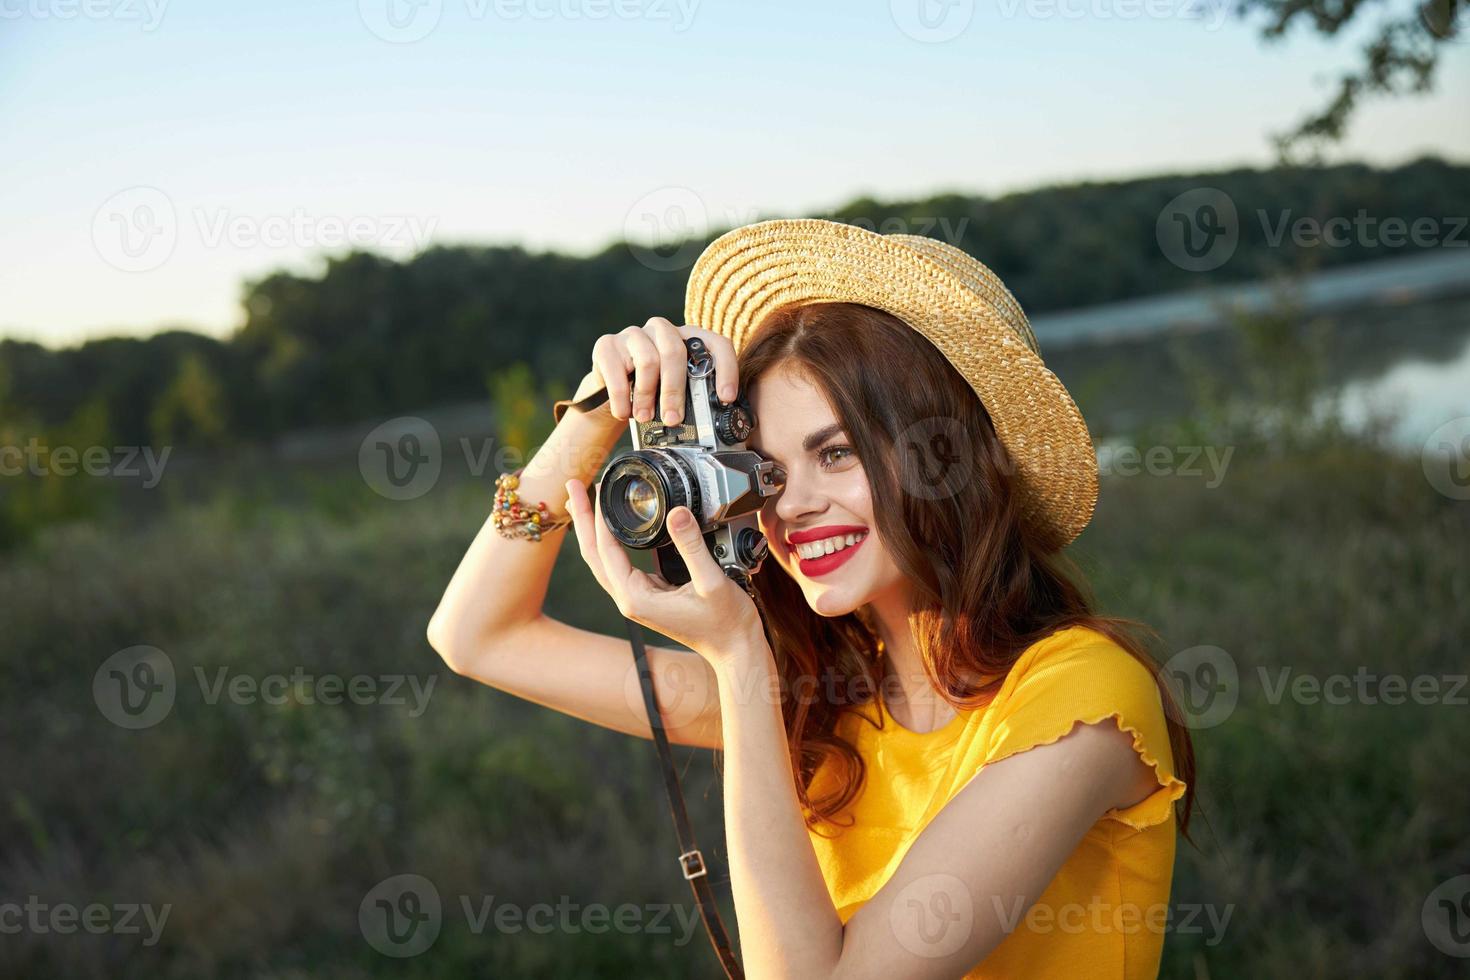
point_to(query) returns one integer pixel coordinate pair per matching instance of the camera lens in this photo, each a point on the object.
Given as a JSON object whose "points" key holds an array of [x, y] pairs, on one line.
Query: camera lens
{"points": [[641, 500], [638, 491]]}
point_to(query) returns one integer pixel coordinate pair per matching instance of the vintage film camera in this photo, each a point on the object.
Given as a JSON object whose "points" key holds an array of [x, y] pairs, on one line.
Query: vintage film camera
{"points": [[702, 464]]}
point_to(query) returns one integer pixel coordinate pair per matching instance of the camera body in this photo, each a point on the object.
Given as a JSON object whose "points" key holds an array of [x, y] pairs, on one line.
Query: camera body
{"points": [[701, 463]]}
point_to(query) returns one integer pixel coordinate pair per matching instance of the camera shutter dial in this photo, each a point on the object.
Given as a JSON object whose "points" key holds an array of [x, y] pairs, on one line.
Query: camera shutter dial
{"points": [[733, 424]]}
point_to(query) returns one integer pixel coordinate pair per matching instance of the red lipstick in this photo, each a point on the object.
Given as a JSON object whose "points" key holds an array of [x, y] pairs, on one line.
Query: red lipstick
{"points": [[826, 531], [816, 567]]}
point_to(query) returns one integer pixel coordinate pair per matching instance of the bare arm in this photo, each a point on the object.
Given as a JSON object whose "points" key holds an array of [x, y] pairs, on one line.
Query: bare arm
{"points": [[500, 584], [490, 626]]}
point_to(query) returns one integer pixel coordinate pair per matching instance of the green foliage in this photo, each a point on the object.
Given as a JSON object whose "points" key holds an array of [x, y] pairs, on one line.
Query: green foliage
{"points": [[1320, 563], [191, 409], [263, 823], [42, 471], [522, 407]]}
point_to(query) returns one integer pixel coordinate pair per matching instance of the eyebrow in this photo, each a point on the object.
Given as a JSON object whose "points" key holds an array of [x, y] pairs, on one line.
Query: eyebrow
{"points": [[820, 436]]}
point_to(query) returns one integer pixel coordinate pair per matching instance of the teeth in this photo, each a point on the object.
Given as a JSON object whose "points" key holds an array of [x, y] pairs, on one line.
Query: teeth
{"points": [[816, 549]]}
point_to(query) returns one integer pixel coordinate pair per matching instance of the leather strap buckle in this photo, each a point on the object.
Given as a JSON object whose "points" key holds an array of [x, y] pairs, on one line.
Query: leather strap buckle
{"points": [[697, 863]]}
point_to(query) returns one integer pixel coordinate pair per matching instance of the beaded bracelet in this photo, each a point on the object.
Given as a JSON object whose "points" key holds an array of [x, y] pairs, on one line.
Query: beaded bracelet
{"points": [[514, 521]]}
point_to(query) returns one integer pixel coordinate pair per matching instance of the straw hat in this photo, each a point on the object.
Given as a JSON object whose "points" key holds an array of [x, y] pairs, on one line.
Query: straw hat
{"points": [[957, 303]]}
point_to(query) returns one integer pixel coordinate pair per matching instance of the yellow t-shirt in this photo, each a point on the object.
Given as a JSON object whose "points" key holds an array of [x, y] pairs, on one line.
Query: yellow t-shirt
{"points": [[1104, 913]]}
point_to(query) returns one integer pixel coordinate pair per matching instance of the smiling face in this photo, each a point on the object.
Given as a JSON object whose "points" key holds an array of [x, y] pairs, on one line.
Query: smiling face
{"points": [[826, 498]]}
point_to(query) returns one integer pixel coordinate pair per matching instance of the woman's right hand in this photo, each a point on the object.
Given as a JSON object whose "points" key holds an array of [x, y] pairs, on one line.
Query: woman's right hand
{"points": [[658, 360]]}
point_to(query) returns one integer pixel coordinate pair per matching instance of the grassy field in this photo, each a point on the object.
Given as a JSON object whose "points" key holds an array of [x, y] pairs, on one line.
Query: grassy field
{"points": [[263, 822]]}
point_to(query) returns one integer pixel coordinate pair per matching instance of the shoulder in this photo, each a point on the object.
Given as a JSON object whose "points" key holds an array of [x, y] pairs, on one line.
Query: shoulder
{"points": [[1076, 677], [1085, 664]]}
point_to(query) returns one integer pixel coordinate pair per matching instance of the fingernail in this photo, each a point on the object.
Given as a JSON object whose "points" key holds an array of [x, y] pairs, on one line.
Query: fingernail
{"points": [[681, 519]]}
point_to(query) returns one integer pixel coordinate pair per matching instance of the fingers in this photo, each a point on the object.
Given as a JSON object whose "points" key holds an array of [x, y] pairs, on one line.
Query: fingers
{"points": [[611, 362], [615, 563], [727, 370], [582, 518], [704, 574], [673, 368], [644, 354], [656, 358], [600, 550]]}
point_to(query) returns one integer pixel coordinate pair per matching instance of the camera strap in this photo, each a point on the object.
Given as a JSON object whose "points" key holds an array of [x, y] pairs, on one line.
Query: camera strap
{"points": [[691, 859], [560, 406]]}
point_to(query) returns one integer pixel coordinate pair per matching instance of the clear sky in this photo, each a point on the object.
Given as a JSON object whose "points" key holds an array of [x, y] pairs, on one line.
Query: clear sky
{"points": [[158, 153]]}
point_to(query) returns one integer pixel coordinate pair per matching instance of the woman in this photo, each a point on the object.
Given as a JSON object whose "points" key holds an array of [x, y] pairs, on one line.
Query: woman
{"points": [[938, 760]]}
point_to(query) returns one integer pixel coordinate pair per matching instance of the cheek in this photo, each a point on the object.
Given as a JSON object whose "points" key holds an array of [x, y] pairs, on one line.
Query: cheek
{"points": [[855, 496], [767, 515], [769, 527]]}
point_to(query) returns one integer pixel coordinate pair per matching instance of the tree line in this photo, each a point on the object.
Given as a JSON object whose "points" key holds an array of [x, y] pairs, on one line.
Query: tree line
{"points": [[372, 336]]}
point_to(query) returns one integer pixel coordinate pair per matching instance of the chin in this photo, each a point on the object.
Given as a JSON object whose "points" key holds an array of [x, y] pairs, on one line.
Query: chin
{"points": [[836, 599], [831, 603]]}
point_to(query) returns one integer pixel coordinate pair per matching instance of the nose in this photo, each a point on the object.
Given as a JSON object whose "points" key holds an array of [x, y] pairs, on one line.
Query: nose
{"points": [[799, 498]]}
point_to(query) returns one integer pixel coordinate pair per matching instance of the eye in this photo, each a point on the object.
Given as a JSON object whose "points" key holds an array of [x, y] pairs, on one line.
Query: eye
{"points": [[840, 452]]}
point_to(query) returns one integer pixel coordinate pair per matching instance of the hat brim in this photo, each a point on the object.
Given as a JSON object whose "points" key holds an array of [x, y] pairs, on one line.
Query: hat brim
{"points": [[751, 271]]}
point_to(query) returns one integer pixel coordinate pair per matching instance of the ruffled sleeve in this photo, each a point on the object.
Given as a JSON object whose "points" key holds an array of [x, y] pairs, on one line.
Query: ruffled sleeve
{"points": [[1081, 676]]}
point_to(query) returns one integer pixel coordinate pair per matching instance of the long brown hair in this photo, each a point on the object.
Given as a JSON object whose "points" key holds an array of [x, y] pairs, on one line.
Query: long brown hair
{"points": [[982, 597]]}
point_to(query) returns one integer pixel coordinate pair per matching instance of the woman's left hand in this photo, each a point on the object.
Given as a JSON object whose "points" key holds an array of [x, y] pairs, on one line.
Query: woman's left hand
{"points": [[709, 614]]}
